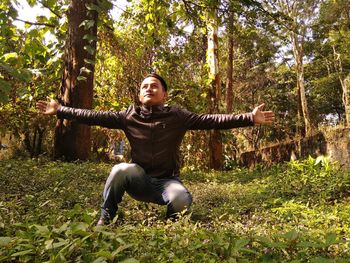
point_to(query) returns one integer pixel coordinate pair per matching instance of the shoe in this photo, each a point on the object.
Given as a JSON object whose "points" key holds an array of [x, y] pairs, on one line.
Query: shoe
{"points": [[102, 222]]}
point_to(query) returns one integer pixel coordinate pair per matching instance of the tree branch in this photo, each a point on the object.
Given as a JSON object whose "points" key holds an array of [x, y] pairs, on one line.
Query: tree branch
{"points": [[125, 11], [51, 10], [35, 23]]}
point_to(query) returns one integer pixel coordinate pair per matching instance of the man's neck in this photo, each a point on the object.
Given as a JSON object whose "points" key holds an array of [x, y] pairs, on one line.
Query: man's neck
{"points": [[156, 106]]}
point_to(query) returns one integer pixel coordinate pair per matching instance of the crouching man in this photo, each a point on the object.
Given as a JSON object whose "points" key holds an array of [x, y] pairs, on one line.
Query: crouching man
{"points": [[155, 132]]}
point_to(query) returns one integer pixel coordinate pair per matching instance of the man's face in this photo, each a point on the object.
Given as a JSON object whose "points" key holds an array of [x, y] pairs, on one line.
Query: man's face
{"points": [[152, 92]]}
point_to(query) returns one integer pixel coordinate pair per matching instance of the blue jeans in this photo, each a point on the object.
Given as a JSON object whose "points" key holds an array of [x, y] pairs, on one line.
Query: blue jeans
{"points": [[131, 178]]}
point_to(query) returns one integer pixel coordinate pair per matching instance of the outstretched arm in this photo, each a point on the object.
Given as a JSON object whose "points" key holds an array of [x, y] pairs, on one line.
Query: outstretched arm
{"points": [[48, 107], [107, 119], [262, 117], [193, 121]]}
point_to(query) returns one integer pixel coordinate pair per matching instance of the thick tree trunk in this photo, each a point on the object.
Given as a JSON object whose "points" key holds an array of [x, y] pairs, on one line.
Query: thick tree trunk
{"points": [[72, 140], [215, 142]]}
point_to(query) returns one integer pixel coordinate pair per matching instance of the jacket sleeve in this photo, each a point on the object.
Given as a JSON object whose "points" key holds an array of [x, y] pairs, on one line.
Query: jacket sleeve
{"points": [[193, 121], [108, 119]]}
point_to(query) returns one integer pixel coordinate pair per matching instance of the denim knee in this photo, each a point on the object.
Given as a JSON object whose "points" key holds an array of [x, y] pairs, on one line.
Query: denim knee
{"points": [[122, 170], [179, 198], [116, 185]]}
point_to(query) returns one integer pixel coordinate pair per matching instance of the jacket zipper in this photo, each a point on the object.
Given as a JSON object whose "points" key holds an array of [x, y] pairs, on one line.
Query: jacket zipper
{"points": [[152, 137]]}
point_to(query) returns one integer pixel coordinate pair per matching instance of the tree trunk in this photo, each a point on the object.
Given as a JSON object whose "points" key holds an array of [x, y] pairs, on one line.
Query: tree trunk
{"points": [[72, 140], [345, 84], [32, 154], [300, 14], [346, 99], [229, 77], [215, 142], [27, 143], [300, 126], [298, 57], [39, 143]]}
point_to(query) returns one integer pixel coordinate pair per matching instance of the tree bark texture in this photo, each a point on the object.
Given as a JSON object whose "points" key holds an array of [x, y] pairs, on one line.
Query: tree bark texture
{"points": [[72, 140], [215, 141]]}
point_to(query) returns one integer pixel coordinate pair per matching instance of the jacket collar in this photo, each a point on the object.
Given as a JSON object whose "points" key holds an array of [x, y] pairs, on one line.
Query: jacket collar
{"points": [[150, 109], [147, 111]]}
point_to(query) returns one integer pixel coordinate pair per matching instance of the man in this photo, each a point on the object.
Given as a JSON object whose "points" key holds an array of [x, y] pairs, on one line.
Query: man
{"points": [[155, 133]]}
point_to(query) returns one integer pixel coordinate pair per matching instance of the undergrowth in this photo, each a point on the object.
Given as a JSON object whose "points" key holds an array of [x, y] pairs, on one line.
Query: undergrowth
{"points": [[295, 212]]}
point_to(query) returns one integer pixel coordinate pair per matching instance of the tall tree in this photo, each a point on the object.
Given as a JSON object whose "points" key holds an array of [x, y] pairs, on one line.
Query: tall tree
{"points": [[339, 39], [330, 65], [72, 140], [344, 82], [299, 15], [229, 71], [215, 141]]}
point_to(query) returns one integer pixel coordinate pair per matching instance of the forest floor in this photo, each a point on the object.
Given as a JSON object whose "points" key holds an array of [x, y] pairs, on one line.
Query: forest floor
{"points": [[295, 212]]}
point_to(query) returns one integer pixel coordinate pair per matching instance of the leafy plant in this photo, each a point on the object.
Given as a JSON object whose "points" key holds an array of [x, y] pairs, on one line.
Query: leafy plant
{"points": [[49, 209]]}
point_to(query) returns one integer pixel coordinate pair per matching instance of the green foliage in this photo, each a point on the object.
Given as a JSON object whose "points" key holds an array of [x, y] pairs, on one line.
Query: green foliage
{"points": [[48, 211], [170, 37], [313, 180], [29, 70]]}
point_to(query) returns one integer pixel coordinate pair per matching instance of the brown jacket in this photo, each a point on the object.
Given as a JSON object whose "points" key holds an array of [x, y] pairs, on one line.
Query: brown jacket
{"points": [[155, 133]]}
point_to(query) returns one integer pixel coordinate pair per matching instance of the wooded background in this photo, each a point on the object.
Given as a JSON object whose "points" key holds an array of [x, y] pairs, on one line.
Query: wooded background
{"points": [[216, 56]]}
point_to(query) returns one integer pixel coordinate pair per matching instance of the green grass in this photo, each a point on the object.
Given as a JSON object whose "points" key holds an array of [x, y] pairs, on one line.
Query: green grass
{"points": [[296, 212]]}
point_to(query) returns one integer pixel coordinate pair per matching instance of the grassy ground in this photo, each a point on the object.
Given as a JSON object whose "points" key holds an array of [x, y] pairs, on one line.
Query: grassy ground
{"points": [[296, 212]]}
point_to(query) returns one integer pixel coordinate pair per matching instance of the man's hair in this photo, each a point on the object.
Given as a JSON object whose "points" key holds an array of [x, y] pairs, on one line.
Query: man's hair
{"points": [[162, 81]]}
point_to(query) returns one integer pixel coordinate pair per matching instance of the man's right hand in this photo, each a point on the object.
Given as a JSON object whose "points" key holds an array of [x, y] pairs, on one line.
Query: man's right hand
{"points": [[48, 107]]}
